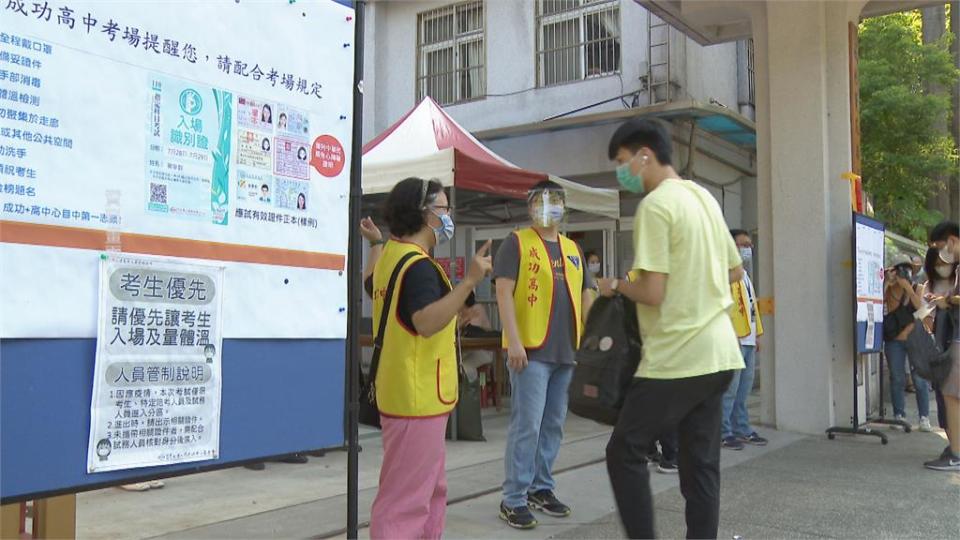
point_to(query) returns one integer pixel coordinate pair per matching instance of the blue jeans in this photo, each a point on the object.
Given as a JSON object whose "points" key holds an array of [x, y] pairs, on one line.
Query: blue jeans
{"points": [[896, 353], [736, 421], [538, 409]]}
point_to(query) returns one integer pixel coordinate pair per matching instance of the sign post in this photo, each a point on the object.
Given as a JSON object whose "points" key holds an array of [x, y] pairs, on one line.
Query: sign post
{"points": [[867, 244]]}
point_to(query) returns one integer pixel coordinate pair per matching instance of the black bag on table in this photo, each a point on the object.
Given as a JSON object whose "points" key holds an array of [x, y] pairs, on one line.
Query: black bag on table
{"points": [[609, 354], [369, 414]]}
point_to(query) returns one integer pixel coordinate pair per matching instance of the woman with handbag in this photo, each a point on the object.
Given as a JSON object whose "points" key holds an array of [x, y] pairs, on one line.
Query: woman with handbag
{"points": [[945, 237], [942, 278], [899, 302], [415, 379]]}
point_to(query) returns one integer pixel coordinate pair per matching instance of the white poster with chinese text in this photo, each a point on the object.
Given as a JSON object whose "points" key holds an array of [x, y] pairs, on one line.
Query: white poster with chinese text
{"points": [[156, 387], [212, 130]]}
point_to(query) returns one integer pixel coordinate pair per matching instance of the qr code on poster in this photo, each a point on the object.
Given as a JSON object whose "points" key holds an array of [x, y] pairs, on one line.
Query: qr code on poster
{"points": [[158, 193]]}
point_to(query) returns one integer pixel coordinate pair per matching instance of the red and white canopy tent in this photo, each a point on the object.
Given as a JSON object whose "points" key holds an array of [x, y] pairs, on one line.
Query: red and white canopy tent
{"points": [[428, 143]]}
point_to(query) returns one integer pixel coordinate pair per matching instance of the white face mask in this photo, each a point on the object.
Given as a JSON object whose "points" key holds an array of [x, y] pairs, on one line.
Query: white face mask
{"points": [[946, 255], [944, 271], [746, 254], [594, 268]]}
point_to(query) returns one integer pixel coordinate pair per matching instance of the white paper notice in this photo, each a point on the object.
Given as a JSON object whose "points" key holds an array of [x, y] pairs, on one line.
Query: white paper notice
{"points": [[156, 387], [871, 329]]}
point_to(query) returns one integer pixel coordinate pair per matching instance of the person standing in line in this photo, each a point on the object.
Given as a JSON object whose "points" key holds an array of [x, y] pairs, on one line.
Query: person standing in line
{"points": [[543, 294], [416, 383], [736, 430], [946, 238], [943, 279], [900, 300], [686, 261]]}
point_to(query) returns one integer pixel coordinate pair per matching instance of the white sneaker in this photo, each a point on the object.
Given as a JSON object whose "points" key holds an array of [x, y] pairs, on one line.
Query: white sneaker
{"points": [[156, 484], [925, 424]]}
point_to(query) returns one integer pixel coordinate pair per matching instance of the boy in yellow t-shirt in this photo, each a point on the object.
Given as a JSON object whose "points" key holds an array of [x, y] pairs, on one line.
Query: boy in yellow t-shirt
{"points": [[686, 261]]}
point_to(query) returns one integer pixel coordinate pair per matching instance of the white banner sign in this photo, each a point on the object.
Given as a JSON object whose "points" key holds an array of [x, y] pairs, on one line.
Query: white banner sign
{"points": [[209, 130], [156, 387]]}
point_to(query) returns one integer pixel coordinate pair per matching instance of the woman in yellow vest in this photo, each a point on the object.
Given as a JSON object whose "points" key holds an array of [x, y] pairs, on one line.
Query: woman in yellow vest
{"points": [[543, 293], [416, 383]]}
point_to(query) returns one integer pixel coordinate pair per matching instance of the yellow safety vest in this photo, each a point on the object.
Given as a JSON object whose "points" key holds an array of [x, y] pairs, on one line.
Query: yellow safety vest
{"points": [[417, 376], [533, 294], [739, 311]]}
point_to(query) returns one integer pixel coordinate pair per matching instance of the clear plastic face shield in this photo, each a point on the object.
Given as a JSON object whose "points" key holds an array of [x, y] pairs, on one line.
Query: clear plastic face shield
{"points": [[547, 207]]}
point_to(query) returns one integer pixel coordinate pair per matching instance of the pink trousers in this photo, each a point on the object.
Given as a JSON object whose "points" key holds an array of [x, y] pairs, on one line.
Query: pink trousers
{"points": [[412, 499]]}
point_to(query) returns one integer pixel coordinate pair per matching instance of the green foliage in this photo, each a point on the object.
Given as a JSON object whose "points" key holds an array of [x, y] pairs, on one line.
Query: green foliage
{"points": [[903, 152]]}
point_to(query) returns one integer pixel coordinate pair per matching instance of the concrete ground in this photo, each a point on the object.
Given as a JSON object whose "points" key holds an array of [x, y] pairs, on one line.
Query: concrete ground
{"points": [[798, 486]]}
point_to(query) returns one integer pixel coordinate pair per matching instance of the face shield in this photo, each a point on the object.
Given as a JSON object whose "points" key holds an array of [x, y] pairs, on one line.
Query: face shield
{"points": [[547, 207]]}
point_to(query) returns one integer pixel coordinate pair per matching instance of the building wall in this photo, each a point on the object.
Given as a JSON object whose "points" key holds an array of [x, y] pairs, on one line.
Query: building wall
{"points": [[704, 74], [510, 28]]}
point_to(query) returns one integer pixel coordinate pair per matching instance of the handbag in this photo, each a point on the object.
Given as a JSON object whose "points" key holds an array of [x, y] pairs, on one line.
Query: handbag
{"points": [[369, 414], [928, 359], [606, 361]]}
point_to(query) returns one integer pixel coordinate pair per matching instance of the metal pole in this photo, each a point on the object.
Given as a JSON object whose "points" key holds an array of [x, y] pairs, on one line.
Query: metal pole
{"points": [[354, 247]]}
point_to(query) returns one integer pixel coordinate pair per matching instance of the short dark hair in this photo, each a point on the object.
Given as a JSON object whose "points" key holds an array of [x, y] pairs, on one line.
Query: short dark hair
{"points": [[403, 210], [264, 186], [944, 230], [589, 254], [545, 185], [637, 133], [739, 232]]}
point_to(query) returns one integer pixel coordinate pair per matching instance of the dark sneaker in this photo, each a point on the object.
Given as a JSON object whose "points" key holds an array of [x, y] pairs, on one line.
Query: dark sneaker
{"points": [[732, 443], [753, 439], [949, 462], [668, 467], [258, 466], [518, 518], [548, 503]]}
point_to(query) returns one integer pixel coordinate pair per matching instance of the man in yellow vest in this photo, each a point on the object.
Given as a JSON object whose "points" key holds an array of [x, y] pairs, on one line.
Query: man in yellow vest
{"points": [[542, 295], [686, 262], [736, 430]]}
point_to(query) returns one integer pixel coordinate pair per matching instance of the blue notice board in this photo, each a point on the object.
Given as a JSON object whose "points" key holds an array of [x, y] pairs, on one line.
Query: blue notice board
{"points": [[868, 265], [279, 397]]}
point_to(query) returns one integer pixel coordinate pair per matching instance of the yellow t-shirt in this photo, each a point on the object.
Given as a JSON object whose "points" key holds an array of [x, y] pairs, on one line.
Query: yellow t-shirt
{"points": [[679, 230]]}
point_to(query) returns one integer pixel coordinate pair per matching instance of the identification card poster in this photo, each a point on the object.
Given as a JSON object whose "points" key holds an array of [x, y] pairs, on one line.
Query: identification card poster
{"points": [[214, 130], [156, 387]]}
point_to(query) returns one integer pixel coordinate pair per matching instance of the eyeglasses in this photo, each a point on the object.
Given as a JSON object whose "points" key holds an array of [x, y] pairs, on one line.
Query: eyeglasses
{"points": [[442, 209]]}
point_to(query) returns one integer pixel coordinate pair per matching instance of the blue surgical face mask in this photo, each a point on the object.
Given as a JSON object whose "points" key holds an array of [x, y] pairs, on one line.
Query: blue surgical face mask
{"points": [[444, 232], [630, 182]]}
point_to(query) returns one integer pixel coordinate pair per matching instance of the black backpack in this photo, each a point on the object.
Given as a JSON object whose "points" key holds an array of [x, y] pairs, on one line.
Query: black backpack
{"points": [[609, 354]]}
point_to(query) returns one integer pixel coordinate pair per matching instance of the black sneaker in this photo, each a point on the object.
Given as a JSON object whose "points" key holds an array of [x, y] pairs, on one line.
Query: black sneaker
{"points": [[258, 466], [732, 443], [518, 518], [667, 467], [548, 503], [949, 462], [753, 439], [296, 459]]}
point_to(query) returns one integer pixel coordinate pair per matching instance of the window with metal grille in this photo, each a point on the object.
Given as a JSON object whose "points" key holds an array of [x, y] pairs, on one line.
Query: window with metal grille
{"points": [[451, 53], [577, 39]]}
